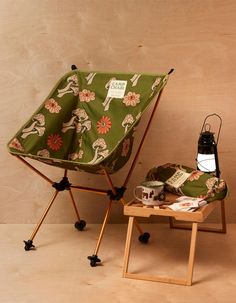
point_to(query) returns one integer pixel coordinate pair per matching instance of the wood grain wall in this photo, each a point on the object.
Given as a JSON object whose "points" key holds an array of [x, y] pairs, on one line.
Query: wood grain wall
{"points": [[39, 40]]}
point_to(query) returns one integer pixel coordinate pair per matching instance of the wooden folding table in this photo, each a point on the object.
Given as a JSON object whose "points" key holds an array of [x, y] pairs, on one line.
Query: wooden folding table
{"points": [[135, 209]]}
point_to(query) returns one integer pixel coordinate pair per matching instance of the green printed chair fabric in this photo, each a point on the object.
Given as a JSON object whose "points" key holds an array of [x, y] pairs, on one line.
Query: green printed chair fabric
{"points": [[196, 183], [87, 121]]}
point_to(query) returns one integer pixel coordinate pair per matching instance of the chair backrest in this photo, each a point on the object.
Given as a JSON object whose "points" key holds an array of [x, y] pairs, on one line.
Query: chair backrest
{"points": [[88, 120]]}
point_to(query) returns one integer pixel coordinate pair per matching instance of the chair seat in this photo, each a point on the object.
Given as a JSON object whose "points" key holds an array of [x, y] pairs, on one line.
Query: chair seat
{"points": [[88, 120]]}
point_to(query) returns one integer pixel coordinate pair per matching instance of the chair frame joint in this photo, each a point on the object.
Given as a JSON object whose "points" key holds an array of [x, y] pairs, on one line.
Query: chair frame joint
{"points": [[64, 184], [119, 193]]}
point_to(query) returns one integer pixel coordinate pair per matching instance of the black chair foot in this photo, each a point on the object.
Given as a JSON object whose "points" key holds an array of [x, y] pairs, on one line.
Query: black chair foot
{"points": [[73, 67], [29, 245], [80, 225], [144, 238], [94, 260]]}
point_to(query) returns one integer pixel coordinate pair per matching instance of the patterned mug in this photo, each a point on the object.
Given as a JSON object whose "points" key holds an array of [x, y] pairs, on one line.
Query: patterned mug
{"points": [[150, 193]]}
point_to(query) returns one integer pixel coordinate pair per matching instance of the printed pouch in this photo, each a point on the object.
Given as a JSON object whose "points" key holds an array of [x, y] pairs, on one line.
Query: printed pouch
{"points": [[186, 181]]}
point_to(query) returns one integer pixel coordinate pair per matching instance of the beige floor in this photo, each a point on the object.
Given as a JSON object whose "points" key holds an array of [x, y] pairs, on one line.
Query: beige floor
{"points": [[59, 272]]}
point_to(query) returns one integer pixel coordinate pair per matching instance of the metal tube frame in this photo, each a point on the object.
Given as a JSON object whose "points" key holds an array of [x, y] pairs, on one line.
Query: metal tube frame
{"points": [[95, 190], [43, 216]]}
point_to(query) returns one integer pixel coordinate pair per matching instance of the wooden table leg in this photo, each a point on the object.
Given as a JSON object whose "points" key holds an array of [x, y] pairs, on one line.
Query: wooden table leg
{"points": [[127, 246], [192, 253], [189, 276]]}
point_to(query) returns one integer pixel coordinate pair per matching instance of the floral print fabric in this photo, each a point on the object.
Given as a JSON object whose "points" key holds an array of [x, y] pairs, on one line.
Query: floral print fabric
{"points": [[54, 142], [198, 184], [86, 96], [80, 127], [131, 99], [104, 125], [52, 106]]}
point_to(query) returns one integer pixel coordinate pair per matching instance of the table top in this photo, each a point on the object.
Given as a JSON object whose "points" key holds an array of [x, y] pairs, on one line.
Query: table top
{"points": [[137, 209]]}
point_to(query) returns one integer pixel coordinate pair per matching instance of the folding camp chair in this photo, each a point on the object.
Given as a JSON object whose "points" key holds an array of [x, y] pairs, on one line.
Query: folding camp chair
{"points": [[87, 124]]}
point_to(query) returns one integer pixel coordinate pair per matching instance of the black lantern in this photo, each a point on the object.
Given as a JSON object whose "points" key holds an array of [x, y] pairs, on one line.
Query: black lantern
{"points": [[207, 157]]}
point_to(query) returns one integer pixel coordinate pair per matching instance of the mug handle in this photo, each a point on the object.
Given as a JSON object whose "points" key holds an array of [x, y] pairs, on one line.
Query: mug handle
{"points": [[135, 190]]}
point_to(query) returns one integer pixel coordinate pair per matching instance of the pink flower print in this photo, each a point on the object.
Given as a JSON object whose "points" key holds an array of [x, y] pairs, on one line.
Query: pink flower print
{"points": [[125, 147], [195, 175], [54, 142], [52, 106], [86, 96], [16, 145], [215, 185], [76, 156], [211, 183], [221, 185], [131, 99]]}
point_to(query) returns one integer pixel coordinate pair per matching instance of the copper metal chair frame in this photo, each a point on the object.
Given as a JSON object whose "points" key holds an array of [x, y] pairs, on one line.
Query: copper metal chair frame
{"points": [[80, 224]]}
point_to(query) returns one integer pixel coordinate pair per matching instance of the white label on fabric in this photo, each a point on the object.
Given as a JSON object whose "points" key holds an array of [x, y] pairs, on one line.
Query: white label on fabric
{"points": [[178, 178], [117, 89]]}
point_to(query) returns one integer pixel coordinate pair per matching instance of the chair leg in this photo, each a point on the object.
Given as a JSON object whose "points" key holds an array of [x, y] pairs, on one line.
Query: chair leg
{"points": [[94, 258], [80, 224], [221, 230], [144, 236], [29, 244]]}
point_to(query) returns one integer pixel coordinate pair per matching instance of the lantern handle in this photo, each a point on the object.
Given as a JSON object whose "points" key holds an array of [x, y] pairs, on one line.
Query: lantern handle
{"points": [[204, 123]]}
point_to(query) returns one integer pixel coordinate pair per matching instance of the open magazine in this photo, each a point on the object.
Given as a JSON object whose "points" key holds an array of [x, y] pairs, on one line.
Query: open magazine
{"points": [[185, 203]]}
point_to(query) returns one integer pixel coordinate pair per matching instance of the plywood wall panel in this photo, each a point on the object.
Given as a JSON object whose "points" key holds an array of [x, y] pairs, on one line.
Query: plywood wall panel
{"points": [[39, 40]]}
